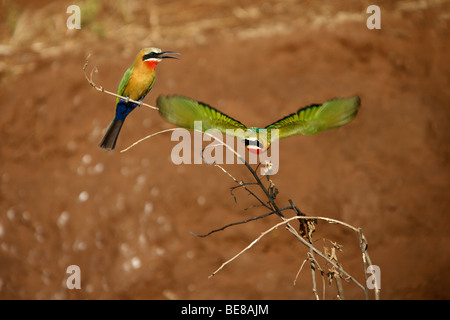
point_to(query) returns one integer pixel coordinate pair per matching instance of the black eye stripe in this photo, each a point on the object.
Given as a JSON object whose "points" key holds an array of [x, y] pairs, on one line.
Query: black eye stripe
{"points": [[253, 143], [150, 55]]}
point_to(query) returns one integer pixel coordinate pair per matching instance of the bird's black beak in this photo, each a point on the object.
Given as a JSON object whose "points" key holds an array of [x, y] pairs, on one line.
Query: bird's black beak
{"points": [[162, 55]]}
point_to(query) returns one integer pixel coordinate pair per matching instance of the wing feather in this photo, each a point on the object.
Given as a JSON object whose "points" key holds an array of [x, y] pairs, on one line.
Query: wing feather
{"points": [[315, 118], [183, 111], [124, 82]]}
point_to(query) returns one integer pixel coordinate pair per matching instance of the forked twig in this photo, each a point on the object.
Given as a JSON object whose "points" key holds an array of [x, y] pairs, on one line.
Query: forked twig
{"points": [[307, 230], [286, 222]]}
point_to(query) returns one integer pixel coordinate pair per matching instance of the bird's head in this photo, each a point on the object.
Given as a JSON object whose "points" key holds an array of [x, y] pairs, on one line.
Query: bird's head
{"points": [[152, 56], [257, 140]]}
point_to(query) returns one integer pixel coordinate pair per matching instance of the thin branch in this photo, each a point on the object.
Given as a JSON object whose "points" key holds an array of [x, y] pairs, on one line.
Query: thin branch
{"points": [[240, 183], [309, 245], [246, 248], [300, 270], [292, 230], [313, 273], [102, 89], [149, 136], [271, 193], [253, 172], [243, 185], [363, 247], [232, 224], [366, 257], [237, 223]]}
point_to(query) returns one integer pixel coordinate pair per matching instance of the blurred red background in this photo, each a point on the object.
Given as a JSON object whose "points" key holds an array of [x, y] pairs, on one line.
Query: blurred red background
{"points": [[125, 218]]}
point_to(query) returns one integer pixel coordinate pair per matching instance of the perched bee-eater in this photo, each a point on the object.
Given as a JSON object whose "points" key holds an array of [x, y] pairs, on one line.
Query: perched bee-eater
{"points": [[136, 82], [309, 120]]}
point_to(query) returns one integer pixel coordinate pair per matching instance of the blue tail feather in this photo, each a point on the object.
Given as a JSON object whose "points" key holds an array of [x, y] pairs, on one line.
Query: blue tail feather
{"points": [[123, 109]]}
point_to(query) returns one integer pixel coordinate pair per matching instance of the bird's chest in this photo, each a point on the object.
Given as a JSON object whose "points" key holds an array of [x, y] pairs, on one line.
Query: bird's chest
{"points": [[139, 84]]}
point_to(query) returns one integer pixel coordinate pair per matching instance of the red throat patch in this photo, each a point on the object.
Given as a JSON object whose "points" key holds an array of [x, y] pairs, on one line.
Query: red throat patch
{"points": [[151, 64], [254, 150]]}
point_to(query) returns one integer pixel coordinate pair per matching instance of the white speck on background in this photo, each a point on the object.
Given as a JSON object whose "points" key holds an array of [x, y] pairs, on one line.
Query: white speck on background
{"points": [[136, 262], [87, 158], [63, 218], [83, 196]]}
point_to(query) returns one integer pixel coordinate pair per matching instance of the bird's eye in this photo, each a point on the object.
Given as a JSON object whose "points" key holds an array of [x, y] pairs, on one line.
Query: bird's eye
{"points": [[253, 143], [150, 55]]}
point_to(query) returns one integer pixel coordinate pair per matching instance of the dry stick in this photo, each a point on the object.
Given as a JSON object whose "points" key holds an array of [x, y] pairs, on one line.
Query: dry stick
{"points": [[149, 136], [369, 261], [248, 247], [363, 247], [323, 281], [241, 183], [288, 226], [335, 274], [313, 269], [237, 223], [253, 172], [264, 189], [339, 287], [231, 224], [313, 275], [292, 230], [101, 89], [295, 233], [300, 270]]}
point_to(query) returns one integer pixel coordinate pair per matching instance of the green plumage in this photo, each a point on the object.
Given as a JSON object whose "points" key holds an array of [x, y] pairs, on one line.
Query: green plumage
{"points": [[309, 120], [123, 83], [183, 112], [315, 118]]}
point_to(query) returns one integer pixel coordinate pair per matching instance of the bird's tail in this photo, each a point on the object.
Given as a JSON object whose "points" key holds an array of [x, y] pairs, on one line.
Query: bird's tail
{"points": [[109, 140]]}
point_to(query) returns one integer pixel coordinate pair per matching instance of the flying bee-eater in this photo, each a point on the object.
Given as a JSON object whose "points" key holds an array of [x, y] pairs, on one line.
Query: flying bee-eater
{"points": [[309, 120], [136, 82]]}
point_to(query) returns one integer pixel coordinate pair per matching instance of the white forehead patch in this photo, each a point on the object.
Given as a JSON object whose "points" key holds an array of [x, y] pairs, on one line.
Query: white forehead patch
{"points": [[155, 50]]}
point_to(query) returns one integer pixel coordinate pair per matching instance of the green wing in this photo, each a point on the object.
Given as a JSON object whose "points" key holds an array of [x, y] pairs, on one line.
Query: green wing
{"points": [[315, 118], [183, 112], [124, 82]]}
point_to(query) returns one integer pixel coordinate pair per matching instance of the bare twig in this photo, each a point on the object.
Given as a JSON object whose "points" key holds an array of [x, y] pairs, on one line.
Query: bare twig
{"points": [[292, 230], [363, 247], [248, 247], [300, 270], [102, 89], [366, 258], [305, 238], [310, 246], [232, 224], [148, 137], [237, 223]]}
